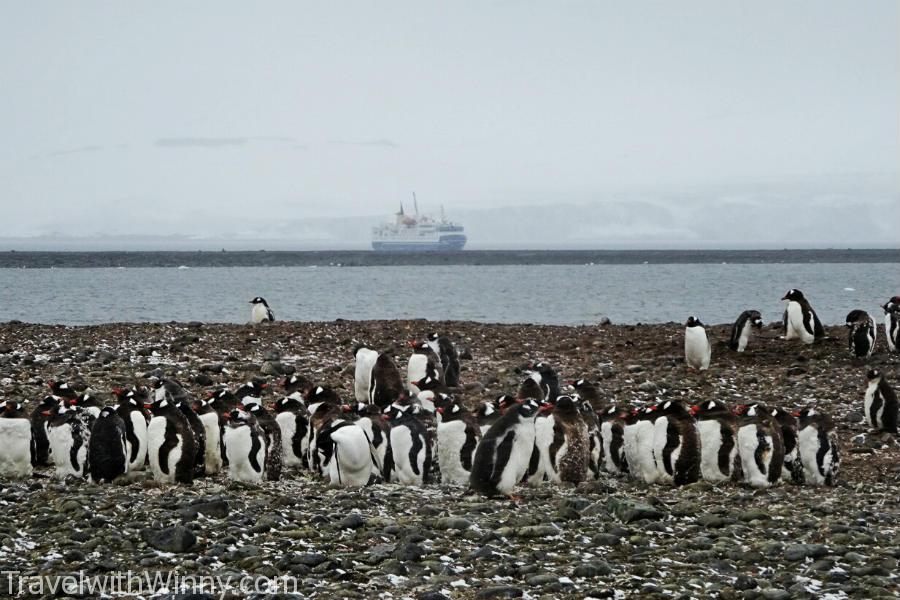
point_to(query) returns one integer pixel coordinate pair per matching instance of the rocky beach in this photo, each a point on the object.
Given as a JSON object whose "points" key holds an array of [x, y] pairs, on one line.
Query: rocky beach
{"points": [[608, 538]]}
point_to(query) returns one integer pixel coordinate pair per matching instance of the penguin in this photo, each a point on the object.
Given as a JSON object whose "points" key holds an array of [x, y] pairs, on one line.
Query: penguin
{"points": [[292, 419], [697, 350], [323, 405], [245, 447], [260, 312], [637, 443], [546, 378], [213, 427], [880, 403], [449, 357], [457, 437], [501, 458], [296, 386], [862, 333], [570, 451], [198, 429], [369, 418], [410, 447], [274, 449], [760, 446], [818, 443], [107, 452], [377, 379], [169, 387], [588, 393], [88, 403], [791, 469], [223, 401], [345, 454], [676, 444], [800, 320], [69, 434], [40, 417], [488, 412], [612, 429], [131, 410], [423, 363], [746, 322], [540, 469], [17, 454], [251, 392], [892, 323], [718, 441], [595, 442], [171, 445], [62, 389]]}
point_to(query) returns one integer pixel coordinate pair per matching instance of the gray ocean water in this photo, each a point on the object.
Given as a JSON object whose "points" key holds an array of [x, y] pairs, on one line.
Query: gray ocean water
{"points": [[551, 294]]}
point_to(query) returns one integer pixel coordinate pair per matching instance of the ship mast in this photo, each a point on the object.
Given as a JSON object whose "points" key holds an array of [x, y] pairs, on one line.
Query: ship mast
{"points": [[416, 204]]}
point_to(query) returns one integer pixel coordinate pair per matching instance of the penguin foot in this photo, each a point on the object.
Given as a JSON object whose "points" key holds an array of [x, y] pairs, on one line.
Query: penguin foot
{"points": [[514, 498]]}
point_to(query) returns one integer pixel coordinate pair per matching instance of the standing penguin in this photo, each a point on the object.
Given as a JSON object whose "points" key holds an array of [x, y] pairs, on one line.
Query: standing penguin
{"points": [[410, 447], [171, 445], [449, 358], [251, 392], [369, 418], [198, 430], [423, 363], [260, 312], [213, 426], [274, 450], [539, 465], [501, 458], [88, 403], [718, 441], [612, 429], [488, 412], [862, 333], [676, 444], [131, 409], [743, 328], [589, 394], [245, 447], [544, 375], [457, 438], [697, 350], [892, 323], [637, 442], [880, 404], [345, 454], [40, 418], [570, 450], [760, 446], [818, 443], [800, 320], [595, 441], [292, 418], [17, 452], [791, 469], [378, 380], [69, 433], [107, 452]]}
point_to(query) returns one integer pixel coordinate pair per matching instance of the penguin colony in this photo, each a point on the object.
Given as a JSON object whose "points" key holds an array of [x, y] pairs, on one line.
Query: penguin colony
{"points": [[414, 431]]}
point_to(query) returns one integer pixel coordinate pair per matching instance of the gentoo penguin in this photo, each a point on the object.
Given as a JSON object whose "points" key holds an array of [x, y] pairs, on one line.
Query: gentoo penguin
{"points": [[131, 409], [445, 349], [171, 445], [69, 433], [637, 442], [800, 320], [410, 445], [880, 405], [213, 426], [251, 392], [546, 378], [818, 445], [224, 401], [88, 403], [791, 469], [323, 405], [862, 333], [570, 450], [457, 437], [539, 467], [760, 446], [588, 393], [697, 350], [743, 328], [296, 386], [423, 363], [245, 447], [18, 451], [676, 444], [260, 311], [595, 442], [892, 323], [718, 441], [107, 454], [274, 449], [199, 431], [40, 417], [169, 387], [612, 449], [489, 411], [377, 379], [369, 418], [501, 458], [345, 454], [62, 389], [292, 418]]}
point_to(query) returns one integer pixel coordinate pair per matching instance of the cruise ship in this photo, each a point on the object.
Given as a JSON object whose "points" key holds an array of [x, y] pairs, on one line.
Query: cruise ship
{"points": [[418, 233]]}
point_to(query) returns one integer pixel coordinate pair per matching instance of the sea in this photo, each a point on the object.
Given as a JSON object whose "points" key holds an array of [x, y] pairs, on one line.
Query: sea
{"points": [[643, 289]]}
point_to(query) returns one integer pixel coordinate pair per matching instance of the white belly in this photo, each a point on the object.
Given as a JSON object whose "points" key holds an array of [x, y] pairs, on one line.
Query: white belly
{"points": [[518, 458], [451, 437], [238, 445], [747, 443], [287, 423], [351, 463], [213, 450], [543, 437], [139, 426], [808, 444], [61, 442], [401, 444], [416, 370], [365, 362], [15, 455], [874, 423], [795, 328], [259, 313], [710, 444], [697, 351]]}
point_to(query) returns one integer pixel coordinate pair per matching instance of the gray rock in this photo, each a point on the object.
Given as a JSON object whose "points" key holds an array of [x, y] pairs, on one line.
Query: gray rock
{"points": [[452, 523], [597, 568], [352, 521], [648, 386], [629, 511], [310, 559], [797, 552], [171, 539], [500, 591]]}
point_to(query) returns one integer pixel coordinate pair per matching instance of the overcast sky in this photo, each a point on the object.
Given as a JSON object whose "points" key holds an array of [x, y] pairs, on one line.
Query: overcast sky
{"points": [[158, 117]]}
